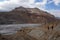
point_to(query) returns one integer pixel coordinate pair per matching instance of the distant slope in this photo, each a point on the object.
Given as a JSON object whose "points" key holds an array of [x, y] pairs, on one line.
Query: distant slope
{"points": [[23, 15]]}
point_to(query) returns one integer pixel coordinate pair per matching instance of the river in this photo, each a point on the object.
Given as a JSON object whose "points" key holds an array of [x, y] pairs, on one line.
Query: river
{"points": [[10, 29]]}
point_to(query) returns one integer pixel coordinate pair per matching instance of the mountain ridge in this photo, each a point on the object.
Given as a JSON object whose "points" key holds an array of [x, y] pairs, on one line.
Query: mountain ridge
{"points": [[23, 15]]}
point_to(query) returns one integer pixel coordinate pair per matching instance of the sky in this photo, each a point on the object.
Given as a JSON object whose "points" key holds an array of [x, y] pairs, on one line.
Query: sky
{"points": [[52, 6]]}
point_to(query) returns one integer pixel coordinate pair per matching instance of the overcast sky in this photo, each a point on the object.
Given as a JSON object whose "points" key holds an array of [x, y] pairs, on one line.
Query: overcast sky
{"points": [[52, 6]]}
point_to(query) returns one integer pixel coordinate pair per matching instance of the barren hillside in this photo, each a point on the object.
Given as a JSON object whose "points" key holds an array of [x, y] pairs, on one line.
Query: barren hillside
{"points": [[23, 15]]}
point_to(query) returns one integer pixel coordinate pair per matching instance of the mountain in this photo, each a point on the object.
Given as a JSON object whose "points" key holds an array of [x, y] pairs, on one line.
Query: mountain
{"points": [[21, 15]]}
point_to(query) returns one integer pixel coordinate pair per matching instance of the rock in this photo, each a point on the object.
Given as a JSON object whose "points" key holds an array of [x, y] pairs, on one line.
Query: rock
{"points": [[21, 15], [36, 33]]}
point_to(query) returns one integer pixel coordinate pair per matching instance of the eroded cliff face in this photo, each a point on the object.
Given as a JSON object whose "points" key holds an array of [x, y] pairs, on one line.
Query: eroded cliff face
{"points": [[25, 15], [49, 32]]}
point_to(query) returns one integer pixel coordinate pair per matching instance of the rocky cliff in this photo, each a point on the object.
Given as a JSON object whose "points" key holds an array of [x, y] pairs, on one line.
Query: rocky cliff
{"points": [[26, 15], [44, 32]]}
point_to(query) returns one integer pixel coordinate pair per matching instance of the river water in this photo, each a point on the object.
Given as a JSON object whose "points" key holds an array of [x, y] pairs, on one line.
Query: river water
{"points": [[10, 29]]}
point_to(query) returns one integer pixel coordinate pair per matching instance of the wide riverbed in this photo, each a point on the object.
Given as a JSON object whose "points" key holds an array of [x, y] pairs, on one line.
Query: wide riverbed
{"points": [[10, 29]]}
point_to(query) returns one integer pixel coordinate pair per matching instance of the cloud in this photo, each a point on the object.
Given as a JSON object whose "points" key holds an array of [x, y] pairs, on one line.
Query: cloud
{"points": [[8, 5], [56, 13], [11, 4], [56, 2]]}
